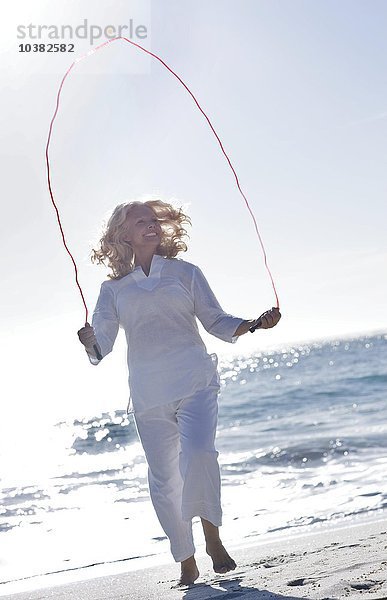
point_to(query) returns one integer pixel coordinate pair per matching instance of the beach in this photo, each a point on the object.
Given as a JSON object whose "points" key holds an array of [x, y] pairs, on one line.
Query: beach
{"points": [[302, 442], [346, 560]]}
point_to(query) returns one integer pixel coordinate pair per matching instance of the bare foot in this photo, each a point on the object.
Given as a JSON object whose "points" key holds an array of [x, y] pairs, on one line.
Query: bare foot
{"points": [[189, 571], [221, 560]]}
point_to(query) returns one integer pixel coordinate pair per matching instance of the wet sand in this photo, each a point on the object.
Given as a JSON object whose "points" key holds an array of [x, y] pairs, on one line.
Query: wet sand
{"points": [[345, 561]]}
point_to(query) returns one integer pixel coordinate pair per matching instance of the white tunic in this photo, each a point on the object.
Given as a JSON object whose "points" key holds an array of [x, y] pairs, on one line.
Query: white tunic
{"points": [[167, 358]]}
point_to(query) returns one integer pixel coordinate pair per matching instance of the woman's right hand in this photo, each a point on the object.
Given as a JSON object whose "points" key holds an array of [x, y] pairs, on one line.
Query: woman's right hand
{"points": [[87, 337]]}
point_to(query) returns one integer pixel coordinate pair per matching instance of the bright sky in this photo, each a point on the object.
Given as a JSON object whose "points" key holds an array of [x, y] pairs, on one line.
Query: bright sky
{"points": [[297, 92]]}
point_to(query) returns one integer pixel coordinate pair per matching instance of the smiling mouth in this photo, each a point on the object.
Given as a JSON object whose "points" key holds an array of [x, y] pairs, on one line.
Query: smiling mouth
{"points": [[150, 235]]}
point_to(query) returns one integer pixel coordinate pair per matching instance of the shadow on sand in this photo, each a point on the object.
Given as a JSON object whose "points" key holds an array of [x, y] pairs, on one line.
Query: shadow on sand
{"points": [[231, 588]]}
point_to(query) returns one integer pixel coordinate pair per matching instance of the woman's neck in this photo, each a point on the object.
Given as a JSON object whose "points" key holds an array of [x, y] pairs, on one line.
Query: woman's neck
{"points": [[144, 260]]}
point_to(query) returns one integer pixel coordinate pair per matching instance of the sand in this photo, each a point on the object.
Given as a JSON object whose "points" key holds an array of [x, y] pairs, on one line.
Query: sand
{"points": [[348, 560]]}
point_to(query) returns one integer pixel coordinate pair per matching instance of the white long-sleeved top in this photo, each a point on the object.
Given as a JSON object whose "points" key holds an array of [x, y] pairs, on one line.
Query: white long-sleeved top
{"points": [[167, 358]]}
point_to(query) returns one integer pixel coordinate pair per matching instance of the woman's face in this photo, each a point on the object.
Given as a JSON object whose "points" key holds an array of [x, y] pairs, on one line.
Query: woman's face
{"points": [[143, 229]]}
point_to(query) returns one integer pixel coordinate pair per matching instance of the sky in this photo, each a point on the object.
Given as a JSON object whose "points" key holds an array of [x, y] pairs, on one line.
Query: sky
{"points": [[297, 92]]}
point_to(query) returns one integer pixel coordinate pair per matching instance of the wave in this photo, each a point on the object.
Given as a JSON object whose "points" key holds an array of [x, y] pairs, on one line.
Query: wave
{"points": [[307, 454], [108, 432]]}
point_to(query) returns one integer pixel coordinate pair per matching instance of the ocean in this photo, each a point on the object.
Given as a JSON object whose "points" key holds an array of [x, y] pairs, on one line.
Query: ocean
{"points": [[302, 443]]}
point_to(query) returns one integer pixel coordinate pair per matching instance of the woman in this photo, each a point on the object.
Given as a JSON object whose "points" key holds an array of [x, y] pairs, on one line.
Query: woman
{"points": [[173, 381]]}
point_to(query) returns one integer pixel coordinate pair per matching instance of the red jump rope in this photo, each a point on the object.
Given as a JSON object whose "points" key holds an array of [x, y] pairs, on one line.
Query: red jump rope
{"points": [[259, 323]]}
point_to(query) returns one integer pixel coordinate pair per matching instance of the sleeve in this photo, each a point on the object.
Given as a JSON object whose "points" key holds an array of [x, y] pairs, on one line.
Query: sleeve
{"points": [[209, 312], [105, 322]]}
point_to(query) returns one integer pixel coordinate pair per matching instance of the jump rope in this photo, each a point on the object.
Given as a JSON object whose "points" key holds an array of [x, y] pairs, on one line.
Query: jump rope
{"points": [[87, 54]]}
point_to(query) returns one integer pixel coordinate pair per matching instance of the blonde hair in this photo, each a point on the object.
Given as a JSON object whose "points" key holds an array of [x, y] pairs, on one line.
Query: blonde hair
{"points": [[117, 254]]}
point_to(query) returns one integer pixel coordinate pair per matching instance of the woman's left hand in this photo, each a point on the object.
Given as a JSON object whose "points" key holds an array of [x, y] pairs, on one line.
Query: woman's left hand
{"points": [[269, 318]]}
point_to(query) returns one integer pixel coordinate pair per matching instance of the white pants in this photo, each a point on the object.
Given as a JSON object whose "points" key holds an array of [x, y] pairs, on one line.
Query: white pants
{"points": [[183, 471]]}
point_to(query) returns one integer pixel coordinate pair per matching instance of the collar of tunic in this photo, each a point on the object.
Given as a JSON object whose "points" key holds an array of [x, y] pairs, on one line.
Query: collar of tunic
{"points": [[149, 282]]}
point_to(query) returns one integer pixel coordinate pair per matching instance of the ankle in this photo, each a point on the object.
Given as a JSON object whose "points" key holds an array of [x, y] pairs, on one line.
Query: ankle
{"points": [[211, 532], [188, 562], [213, 544]]}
